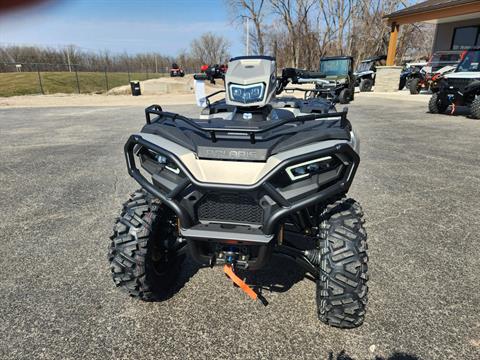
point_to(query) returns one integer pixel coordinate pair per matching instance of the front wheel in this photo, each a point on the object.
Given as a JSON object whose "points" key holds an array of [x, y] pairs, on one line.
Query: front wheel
{"points": [[342, 284], [436, 105], [143, 253], [414, 86], [345, 96], [366, 85]]}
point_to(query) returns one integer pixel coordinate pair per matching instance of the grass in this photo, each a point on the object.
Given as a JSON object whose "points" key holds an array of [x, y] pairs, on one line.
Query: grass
{"points": [[25, 83]]}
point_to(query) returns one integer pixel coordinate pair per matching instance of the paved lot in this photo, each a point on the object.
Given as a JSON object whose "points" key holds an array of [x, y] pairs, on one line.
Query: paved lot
{"points": [[63, 180]]}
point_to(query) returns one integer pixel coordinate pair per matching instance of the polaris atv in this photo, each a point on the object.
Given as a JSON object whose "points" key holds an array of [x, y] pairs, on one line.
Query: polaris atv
{"points": [[176, 71], [338, 81], [254, 176], [460, 88], [366, 71]]}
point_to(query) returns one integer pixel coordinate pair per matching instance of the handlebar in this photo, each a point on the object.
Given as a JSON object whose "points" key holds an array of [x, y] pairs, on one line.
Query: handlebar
{"points": [[200, 77], [298, 76], [211, 73], [306, 74]]}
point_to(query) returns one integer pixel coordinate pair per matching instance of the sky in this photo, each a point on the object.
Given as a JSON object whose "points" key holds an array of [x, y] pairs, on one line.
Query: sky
{"points": [[132, 26]]}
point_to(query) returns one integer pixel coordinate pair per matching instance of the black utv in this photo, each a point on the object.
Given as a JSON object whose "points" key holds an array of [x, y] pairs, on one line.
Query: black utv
{"points": [[339, 81], [460, 88]]}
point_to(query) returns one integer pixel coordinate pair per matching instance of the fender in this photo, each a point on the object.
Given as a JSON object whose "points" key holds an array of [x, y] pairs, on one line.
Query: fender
{"points": [[473, 87]]}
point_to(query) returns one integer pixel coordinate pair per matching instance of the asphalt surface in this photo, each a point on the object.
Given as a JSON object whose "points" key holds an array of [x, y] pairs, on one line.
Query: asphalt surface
{"points": [[63, 180]]}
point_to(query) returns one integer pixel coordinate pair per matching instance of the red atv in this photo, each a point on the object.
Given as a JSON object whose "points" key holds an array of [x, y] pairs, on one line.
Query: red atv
{"points": [[176, 71], [213, 72]]}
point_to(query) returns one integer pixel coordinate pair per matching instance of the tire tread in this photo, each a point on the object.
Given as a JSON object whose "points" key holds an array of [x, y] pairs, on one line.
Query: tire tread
{"points": [[342, 286]]}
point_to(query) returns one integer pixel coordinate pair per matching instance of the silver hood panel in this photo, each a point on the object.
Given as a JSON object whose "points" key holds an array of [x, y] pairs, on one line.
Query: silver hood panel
{"points": [[236, 172]]}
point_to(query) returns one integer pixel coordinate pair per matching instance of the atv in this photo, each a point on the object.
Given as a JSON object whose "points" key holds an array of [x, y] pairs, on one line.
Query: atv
{"points": [[366, 71], [339, 79], [409, 72], [440, 64], [254, 176], [461, 87], [436, 78], [176, 71]]}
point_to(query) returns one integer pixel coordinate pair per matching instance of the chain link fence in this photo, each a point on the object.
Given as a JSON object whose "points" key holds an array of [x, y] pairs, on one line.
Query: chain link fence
{"points": [[45, 78]]}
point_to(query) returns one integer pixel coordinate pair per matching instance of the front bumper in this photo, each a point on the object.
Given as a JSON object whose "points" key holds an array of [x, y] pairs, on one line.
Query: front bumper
{"points": [[186, 195]]}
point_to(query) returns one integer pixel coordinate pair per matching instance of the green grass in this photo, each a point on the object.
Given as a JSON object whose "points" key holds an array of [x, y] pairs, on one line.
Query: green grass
{"points": [[25, 83]]}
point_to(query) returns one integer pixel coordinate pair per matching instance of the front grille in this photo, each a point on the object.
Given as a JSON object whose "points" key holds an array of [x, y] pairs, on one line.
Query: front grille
{"points": [[227, 207], [459, 84]]}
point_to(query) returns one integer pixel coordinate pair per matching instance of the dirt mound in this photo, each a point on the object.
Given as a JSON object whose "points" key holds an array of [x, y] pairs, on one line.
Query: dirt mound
{"points": [[165, 85]]}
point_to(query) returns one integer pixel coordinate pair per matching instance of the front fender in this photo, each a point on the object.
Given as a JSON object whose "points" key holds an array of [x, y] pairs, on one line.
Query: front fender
{"points": [[473, 87]]}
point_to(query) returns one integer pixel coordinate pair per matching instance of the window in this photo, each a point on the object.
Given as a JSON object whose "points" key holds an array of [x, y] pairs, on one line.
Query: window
{"points": [[470, 61], [465, 37], [334, 67]]}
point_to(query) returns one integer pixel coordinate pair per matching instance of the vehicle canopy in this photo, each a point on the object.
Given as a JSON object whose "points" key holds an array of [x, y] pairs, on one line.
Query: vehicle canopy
{"points": [[369, 64], [336, 67]]}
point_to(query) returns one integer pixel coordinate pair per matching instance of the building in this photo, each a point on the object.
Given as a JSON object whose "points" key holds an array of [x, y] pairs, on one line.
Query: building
{"points": [[458, 24]]}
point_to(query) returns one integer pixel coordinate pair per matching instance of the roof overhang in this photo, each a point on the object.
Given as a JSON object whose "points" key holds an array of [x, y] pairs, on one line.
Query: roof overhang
{"points": [[452, 12]]}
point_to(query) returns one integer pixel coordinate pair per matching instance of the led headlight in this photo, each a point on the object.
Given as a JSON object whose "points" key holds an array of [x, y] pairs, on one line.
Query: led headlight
{"points": [[308, 168], [247, 94], [168, 164]]}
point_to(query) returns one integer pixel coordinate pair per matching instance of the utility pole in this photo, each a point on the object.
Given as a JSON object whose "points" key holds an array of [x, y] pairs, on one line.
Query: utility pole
{"points": [[156, 64], [248, 37], [68, 59]]}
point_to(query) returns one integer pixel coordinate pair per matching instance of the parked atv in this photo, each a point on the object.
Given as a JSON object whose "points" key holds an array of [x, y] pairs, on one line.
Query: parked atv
{"points": [[460, 88], [339, 79], [440, 63], [410, 72], [366, 71], [418, 81], [176, 71], [436, 78], [256, 175]]}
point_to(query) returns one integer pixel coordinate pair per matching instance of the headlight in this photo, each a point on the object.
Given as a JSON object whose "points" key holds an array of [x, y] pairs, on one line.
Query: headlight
{"points": [[247, 93], [155, 163], [169, 165], [309, 168]]}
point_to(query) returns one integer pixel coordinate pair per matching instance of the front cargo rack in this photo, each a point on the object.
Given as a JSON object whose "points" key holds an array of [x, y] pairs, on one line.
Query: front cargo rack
{"points": [[162, 116]]}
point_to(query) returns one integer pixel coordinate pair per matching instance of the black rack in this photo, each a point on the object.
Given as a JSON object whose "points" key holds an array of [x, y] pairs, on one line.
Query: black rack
{"points": [[162, 116]]}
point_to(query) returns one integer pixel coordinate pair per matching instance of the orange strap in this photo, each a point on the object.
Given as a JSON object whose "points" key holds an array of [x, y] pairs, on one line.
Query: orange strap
{"points": [[227, 269]]}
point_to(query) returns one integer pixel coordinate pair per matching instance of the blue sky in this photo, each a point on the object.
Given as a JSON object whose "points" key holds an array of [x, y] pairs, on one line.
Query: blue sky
{"points": [[120, 25]]}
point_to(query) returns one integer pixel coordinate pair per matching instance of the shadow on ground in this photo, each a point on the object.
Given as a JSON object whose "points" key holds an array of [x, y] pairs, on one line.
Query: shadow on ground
{"points": [[278, 275], [395, 356]]}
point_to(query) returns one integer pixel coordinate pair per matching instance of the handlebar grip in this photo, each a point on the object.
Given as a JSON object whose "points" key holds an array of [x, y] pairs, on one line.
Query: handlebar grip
{"points": [[200, 77]]}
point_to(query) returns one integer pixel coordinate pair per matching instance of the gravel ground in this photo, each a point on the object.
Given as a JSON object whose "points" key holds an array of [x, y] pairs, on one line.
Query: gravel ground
{"points": [[63, 180]]}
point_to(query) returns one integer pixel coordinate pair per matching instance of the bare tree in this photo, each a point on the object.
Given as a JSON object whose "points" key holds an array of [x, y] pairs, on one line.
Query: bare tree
{"points": [[295, 16], [253, 10], [210, 49]]}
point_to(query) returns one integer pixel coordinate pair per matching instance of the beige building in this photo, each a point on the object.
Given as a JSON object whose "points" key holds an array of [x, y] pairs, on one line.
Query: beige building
{"points": [[458, 24]]}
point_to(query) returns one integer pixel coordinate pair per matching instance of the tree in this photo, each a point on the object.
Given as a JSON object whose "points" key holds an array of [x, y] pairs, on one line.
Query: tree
{"points": [[253, 10], [210, 49]]}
